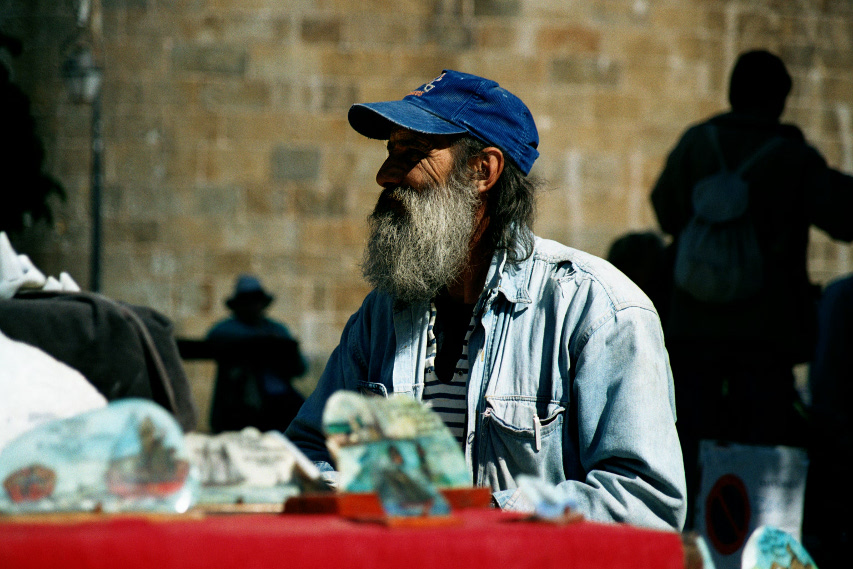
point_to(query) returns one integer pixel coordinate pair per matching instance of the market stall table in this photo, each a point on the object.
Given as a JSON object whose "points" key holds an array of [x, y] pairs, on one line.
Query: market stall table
{"points": [[487, 539]]}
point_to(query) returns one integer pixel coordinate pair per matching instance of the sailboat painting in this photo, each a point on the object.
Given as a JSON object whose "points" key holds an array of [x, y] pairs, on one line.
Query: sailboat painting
{"points": [[216, 467], [142, 465], [127, 456]]}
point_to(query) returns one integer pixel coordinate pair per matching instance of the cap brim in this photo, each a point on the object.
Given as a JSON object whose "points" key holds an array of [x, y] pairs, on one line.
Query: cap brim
{"points": [[377, 120]]}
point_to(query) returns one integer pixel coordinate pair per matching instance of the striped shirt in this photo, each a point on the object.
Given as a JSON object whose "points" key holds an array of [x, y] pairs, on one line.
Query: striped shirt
{"points": [[447, 398]]}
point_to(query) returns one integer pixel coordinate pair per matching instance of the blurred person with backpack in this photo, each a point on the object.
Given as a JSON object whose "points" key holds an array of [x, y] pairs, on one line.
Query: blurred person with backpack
{"points": [[739, 193]]}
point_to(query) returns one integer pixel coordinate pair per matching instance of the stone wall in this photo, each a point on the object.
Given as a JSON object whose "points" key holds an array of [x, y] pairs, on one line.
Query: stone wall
{"points": [[226, 146]]}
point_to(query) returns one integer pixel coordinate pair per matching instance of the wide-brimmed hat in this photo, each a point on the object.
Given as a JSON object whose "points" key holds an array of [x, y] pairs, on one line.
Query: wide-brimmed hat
{"points": [[248, 288], [456, 103]]}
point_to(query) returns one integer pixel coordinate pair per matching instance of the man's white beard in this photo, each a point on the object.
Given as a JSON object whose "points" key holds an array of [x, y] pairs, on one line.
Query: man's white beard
{"points": [[417, 249]]}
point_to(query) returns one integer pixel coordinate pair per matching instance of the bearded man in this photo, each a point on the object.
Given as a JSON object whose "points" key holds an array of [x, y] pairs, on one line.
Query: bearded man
{"points": [[541, 359]]}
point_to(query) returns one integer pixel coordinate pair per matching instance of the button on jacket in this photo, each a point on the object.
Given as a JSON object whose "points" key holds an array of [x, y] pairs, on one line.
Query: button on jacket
{"points": [[569, 381]]}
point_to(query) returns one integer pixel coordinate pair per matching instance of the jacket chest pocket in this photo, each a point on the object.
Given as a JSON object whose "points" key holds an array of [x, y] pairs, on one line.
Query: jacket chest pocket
{"points": [[372, 388], [522, 435]]}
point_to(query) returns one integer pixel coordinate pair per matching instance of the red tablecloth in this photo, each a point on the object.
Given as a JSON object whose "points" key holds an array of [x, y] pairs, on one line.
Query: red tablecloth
{"points": [[485, 539]]}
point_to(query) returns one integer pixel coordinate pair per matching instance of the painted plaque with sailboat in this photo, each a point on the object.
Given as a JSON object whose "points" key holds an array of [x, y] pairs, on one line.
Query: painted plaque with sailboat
{"points": [[127, 456]]}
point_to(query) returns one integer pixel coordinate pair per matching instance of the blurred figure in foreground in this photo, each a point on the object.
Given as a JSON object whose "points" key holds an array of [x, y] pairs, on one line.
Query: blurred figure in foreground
{"points": [[256, 358], [827, 527], [733, 354]]}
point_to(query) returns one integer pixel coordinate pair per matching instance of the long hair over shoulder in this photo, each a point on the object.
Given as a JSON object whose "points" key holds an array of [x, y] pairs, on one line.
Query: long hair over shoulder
{"points": [[510, 205]]}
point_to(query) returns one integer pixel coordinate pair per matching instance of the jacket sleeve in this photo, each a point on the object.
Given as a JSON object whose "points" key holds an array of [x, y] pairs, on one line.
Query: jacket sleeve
{"points": [[830, 194], [306, 430], [625, 415]]}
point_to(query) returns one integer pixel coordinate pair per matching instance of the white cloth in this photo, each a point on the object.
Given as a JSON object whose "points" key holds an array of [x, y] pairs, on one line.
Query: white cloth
{"points": [[37, 388], [18, 272]]}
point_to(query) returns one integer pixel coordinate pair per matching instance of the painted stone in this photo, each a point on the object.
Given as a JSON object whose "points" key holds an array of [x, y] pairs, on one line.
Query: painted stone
{"points": [[127, 456], [769, 547], [249, 467], [395, 447]]}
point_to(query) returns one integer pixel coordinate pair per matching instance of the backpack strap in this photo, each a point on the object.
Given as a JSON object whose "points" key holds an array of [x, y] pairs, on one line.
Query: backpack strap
{"points": [[762, 151]]}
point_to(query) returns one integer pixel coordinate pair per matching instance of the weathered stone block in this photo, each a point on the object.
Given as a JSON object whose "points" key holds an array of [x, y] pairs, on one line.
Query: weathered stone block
{"points": [[214, 59], [755, 26], [218, 202], [146, 202], [230, 163], [290, 164], [263, 200], [836, 59], [579, 69], [839, 89], [134, 231], [337, 236], [359, 64], [240, 94], [321, 30], [396, 28], [693, 47], [124, 4], [418, 67], [310, 202], [573, 38], [495, 34], [337, 97], [505, 8], [349, 295], [450, 34], [232, 262]]}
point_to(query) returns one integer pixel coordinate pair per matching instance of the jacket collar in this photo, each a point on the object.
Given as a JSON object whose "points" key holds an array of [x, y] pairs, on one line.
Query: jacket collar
{"points": [[508, 278]]}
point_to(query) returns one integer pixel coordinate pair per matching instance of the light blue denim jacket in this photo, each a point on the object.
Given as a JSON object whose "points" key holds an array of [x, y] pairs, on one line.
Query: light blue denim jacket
{"points": [[569, 381]]}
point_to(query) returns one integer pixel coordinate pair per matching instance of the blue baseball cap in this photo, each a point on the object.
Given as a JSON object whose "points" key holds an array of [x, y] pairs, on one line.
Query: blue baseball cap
{"points": [[456, 103]]}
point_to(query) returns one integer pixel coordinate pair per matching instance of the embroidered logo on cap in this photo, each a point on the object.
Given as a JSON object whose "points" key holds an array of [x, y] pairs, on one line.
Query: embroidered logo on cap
{"points": [[428, 87]]}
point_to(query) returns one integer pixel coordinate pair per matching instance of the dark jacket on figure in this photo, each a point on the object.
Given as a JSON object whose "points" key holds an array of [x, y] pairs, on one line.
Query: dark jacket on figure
{"points": [[791, 189]]}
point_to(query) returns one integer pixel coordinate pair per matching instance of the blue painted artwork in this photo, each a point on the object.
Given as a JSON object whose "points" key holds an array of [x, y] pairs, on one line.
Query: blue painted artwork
{"points": [[127, 456], [769, 547], [395, 447]]}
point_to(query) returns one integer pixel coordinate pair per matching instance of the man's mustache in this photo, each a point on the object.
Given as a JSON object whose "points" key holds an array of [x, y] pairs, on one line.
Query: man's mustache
{"points": [[395, 200]]}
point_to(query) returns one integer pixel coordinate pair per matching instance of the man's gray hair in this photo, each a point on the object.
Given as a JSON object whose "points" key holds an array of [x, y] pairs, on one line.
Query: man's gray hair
{"points": [[511, 204]]}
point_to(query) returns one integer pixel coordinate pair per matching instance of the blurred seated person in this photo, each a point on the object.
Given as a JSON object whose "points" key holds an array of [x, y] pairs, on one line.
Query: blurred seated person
{"points": [[256, 358], [644, 258]]}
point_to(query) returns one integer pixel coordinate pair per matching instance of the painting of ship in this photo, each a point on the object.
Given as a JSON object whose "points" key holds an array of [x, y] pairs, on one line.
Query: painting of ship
{"points": [[142, 465], [30, 484], [217, 467]]}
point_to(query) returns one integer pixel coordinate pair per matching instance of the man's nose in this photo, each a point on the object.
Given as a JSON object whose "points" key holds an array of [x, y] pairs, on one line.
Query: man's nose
{"points": [[391, 173]]}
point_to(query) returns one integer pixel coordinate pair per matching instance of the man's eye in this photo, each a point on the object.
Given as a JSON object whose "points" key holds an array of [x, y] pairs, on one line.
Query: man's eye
{"points": [[408, 156], [413, 156]]}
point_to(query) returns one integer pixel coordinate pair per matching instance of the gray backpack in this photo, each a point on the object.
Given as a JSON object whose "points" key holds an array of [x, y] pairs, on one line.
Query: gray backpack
{"points": [[718, 258]]}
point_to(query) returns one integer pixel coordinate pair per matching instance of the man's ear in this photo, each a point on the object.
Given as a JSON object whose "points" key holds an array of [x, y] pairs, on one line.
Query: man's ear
{"points": [[487, 166]]}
